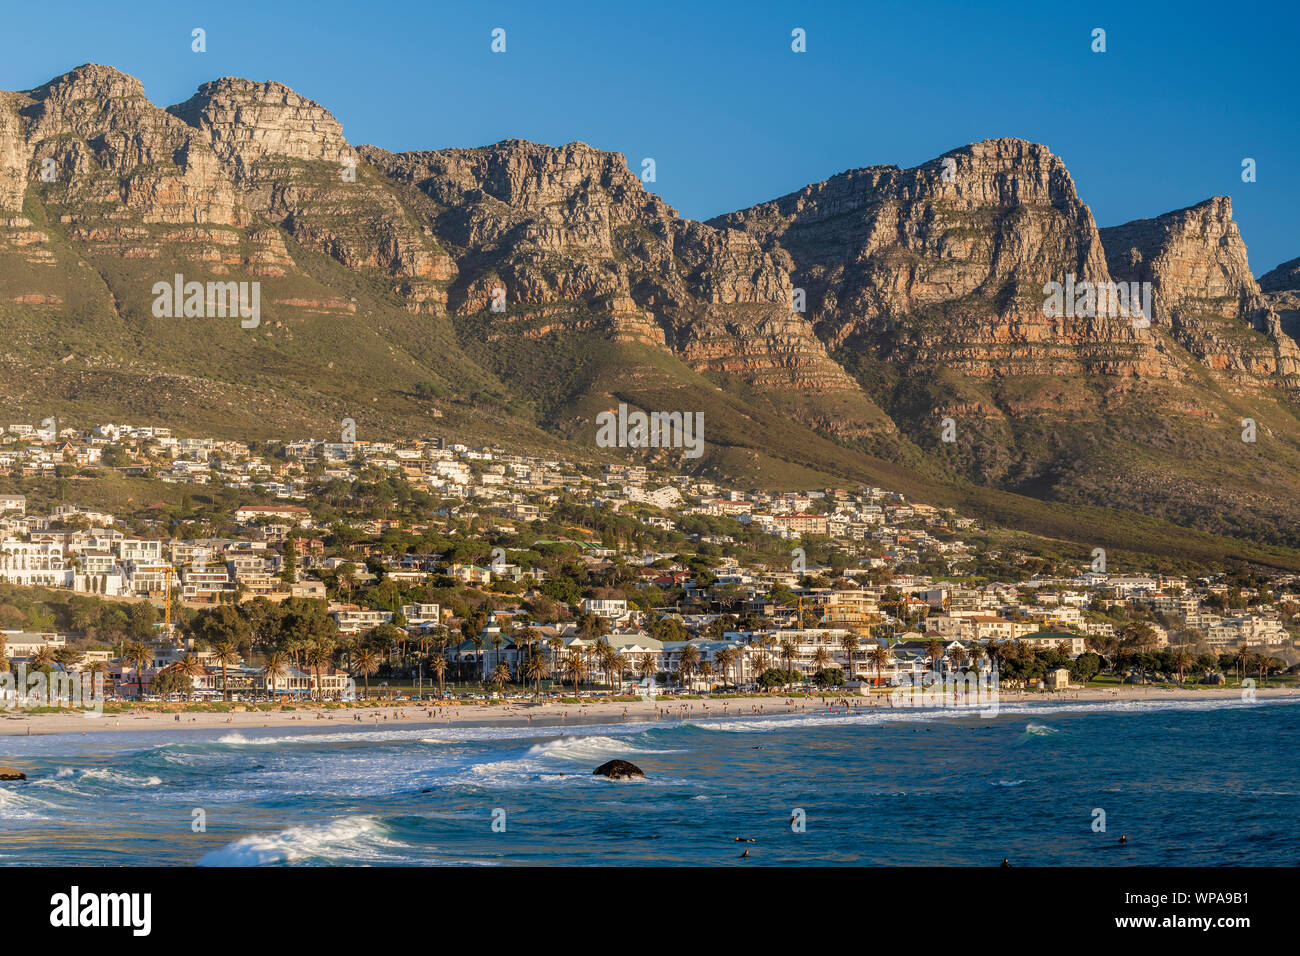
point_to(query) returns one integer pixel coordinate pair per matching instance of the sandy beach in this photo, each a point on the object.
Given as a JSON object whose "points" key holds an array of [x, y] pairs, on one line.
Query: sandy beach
{"points": [[17, 723]]}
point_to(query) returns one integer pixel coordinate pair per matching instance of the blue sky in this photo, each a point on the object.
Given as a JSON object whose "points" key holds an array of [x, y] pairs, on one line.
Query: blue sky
{"points": [[713, 92]]}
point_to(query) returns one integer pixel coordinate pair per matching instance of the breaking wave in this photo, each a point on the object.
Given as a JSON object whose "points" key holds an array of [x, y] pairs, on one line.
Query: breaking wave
{"points": [[360, 839]]}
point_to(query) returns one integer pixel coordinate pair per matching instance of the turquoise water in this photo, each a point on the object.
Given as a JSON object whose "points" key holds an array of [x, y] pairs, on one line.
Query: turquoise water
{"points": [[1200, 783]]}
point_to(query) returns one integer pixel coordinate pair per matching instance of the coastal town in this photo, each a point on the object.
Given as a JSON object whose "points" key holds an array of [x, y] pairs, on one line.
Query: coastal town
{"points": [[191, 568]]}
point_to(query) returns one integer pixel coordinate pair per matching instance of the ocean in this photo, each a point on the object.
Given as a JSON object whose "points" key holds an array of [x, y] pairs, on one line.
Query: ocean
{"points": [[1195, 783]]}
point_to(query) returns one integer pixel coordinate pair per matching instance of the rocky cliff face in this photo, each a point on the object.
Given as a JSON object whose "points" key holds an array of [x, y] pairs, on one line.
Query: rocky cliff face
{"points": [[206, 182], [289, 154], [1205, 295], [944, 264], [1284, 278], [929, 284], [245, 122], [1280, 288], [13, 155], [573, 241], [525, 285]]}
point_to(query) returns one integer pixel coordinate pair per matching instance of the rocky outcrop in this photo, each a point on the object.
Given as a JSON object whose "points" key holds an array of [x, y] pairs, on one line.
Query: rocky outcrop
{"points": [[1284, 278], [13, 155], [290, 156], [114, 155], [619, 770], [573, 241], [1205, 296], [246, 122], [944, 264], [9, 773], [1280, 288], [232, 162]]}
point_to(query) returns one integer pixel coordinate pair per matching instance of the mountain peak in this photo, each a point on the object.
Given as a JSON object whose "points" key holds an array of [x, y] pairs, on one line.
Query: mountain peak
{"points": [[87, 81], [248, 121], [1204, 232], [1283, 278]]}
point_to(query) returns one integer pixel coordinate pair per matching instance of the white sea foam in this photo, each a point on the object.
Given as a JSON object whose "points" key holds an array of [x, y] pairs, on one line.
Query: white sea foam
{"points": [[499, 774], [587, 748], [66, 779], [550, 763], [880, 715], [358, 839], [1040, 730], [120, 779], [446, 733], [21, 807]]}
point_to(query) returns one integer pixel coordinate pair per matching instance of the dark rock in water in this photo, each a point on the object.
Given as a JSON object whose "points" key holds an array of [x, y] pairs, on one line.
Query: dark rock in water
{"points": [[619, 770], [9, 773]]}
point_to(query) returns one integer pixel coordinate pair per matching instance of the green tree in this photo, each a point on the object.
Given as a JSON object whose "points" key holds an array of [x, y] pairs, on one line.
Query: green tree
{"points": [[365, 662], [289, 572], [225, 653]]}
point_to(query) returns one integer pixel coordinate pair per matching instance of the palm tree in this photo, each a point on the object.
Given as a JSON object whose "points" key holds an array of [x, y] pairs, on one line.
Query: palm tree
{"points": [[723, 659], [318, 655], [189, 667], [500, 676], [92, 669], [43, 659], [1182, 661], [619, 664], [477, 641], [366, 662], [575, 668], [225, 654], [424, 641], [934, 651], [439, 667], [528, 635], [706, 671], [497, 641], [647, 667], [788, 651], [138, 656], [849, 645], [604, 654], [534, 669], [276, 664], [821, 657], [68, 657], [556, 645], [880, 657], [1242, 659], [347, 579], [1255, 662], [687, 662]]}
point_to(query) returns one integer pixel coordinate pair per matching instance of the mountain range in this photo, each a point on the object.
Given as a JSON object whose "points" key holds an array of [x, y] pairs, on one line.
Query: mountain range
{"points": [[834, 336]]}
